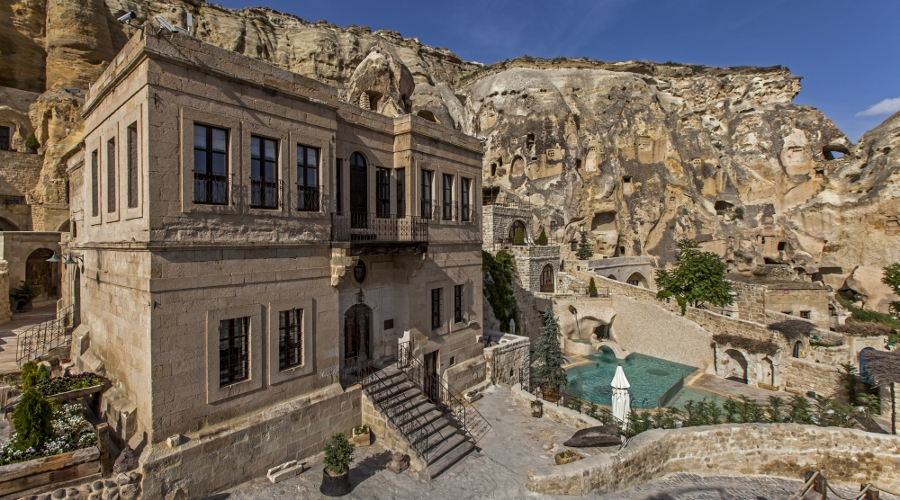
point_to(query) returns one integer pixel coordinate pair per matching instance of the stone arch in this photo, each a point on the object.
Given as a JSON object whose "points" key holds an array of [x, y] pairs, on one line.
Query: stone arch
{"points": [[517, 169], [735, 366], [44, 275], [795, 352], [638, 279], [767, 375], [862, 364], [64, 227], [547, 281], [517, 224], [7, 225], [829, 151]]}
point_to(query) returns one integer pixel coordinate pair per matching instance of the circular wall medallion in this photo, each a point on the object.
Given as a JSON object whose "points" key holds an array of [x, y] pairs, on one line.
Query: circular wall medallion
{"points": [[359, 271]]}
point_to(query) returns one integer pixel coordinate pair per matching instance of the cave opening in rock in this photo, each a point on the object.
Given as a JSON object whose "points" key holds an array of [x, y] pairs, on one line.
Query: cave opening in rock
{"points": [[835, 151], [604, 221], [490, 195], [723, 206], [493, 169], [428, 115]]}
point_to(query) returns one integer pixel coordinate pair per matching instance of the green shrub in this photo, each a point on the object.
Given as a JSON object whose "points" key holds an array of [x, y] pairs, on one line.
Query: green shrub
{"points": [[33, 420], [848, 381], [542, 239], [338, 455], [585, 251], [26, 292], [29, 375], [799, 411], [519, 237], [575, 404], [497, 274], [592, 288], [32, 142]]}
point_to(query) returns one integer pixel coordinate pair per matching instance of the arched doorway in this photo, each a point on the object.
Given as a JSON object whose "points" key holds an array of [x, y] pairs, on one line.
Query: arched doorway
{"points": [[735, 366], [359, 191], [547, 279], [601, 332], [768, 372], [43, 274], [862, 364], [516, 227], [64, 227], [796, 351], [6, 225], [357, 332], [612, 277], [76, 298], [637, 279]]}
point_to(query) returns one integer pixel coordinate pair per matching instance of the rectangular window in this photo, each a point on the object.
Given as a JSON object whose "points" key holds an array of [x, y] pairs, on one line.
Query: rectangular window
{"points": [[458, 304], [4, 138], [401, 192], [448, 197], [95, 184], [111, 175], [338, 187], [805, 314], [290, 339], [263, 172], [436, 307], [234, 351], [382, 192], [427, 179], [465, 195], [210, 165], [307, 179], [132, 166]]}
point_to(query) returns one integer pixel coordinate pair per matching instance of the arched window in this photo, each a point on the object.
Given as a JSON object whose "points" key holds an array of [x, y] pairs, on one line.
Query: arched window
{"points": [[547, 279], [796, 352], [517, 226]]}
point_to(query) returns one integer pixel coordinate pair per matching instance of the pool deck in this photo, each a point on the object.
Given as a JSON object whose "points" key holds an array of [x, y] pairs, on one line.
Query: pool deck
{"points": [[731, 389]]}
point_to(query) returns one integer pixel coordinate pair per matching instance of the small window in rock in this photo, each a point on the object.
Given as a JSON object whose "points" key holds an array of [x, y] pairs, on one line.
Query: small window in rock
{"points": [[622, 251], [626, 179], [493, 169], [805, 314], [782, 246], [553, 225], [789, 313], [529, 141]]}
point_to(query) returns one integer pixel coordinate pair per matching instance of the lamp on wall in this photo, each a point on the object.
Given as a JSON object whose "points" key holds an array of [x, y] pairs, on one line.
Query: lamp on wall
{"points": [[54, 259], [70, 259]]}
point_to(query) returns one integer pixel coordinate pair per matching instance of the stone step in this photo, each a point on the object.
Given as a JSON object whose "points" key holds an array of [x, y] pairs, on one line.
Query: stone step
{"points": [[435, 433], [459, 449], [405, 399], [428, 417], [388, 392]]}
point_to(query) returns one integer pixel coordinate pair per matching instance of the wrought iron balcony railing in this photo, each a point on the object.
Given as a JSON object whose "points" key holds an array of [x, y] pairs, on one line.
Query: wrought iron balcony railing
{"points": [[308, 198], [210, 189], [361, 227], [265, 192]]}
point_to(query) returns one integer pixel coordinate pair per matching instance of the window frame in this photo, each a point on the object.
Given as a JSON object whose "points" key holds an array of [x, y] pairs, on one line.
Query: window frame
{"points": [[95, 184], [276, 374], [132, 166], [339, 187], [8, 145], [214, 392], [465, 199], [447, 181], [290, 338], [261, 182], [244, 360], [437, 306], [210, 153], [302, 173], [382, 192], [458, 303], [233, 161], [400, 191], [426, 194]]}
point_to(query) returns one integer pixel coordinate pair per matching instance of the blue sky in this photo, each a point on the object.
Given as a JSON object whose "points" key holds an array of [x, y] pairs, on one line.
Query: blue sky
{"points": [[847, 52]]}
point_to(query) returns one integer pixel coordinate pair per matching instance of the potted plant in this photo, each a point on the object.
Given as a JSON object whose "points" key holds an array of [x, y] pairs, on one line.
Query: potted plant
{"points": [[473, 395], [24, 295], [361, 436], [548, 353], [31, 144], [592, 288], [566, 456], [336, 474], [537, 408]]}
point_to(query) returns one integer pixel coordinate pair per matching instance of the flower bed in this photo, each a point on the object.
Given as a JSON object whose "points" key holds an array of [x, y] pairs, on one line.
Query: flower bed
{"points": [[73, 432], [70, 383]]}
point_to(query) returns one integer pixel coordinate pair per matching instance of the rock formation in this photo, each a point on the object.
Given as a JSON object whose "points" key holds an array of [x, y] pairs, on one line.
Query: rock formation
{"points": [[640, 154]]}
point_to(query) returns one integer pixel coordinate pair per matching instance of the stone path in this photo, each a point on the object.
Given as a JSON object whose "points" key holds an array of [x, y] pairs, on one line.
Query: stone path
{"points": [[725, 387], [517, 442], [21, 322]]}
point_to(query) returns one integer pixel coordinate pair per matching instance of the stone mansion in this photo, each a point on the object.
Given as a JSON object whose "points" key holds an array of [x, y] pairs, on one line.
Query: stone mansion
{"points": [[247, 242]]}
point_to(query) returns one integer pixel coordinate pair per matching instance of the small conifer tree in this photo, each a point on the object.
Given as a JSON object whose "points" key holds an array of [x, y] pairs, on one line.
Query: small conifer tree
{"points": [[584, 251], [33, 420], [32, 142], [519, 237], [549, 355], [542, 239], [592, 288]]}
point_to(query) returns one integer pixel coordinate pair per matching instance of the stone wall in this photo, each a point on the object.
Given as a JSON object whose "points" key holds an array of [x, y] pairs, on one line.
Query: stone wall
{"points": [[497, 220], [750, 300], [388, 435], [509, 362], [788, 450], [801, 376], [554, 411], [530, 261], [624, 268], [813, 301], [233, 452]]}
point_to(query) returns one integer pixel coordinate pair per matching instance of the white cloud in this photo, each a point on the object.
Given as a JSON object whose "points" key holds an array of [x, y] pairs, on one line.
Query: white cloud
{"points": [[885, 107]]}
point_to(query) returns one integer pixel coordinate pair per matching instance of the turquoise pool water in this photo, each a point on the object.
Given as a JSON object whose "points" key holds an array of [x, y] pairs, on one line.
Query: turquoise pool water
{"points": [[649, 377]]}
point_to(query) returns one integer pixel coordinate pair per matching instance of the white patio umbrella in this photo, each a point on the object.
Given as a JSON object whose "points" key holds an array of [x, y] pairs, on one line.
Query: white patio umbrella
{"points": [[621, 400]]}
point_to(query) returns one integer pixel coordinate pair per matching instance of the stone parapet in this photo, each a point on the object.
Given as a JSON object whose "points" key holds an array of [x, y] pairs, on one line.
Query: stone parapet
{"points": [[789, 450], [509, 362]]}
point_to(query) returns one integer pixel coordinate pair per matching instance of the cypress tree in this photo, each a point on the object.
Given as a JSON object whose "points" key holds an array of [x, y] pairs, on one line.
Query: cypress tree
{"points": [[584, 251], [549, 355]]}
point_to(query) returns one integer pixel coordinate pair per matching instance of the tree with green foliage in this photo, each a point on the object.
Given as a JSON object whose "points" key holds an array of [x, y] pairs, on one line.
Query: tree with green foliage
{"points": [[799, 410], [33, 421], [519, 237], [585, 251], [891, 278], [549, 355], [697, 278], [592, 288], [848, 381], [497, 273], [338, 455], [32, 142], [542, 239]]}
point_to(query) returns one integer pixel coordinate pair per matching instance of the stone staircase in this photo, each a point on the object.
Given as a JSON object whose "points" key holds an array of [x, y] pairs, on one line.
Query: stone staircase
{"points": [[434, 435]]}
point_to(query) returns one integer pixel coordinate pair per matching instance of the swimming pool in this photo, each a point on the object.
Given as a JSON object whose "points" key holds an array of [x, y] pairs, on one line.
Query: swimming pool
{"points": [[649, 377]]}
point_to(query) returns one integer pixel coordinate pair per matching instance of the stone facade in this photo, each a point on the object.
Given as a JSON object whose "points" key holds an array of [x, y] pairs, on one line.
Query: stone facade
{"points": [[25, 254], [787, 450], [163, 273], [804, 300], [632, 270], [498, 219], [509, 362], [531, 263], [19, 174]]}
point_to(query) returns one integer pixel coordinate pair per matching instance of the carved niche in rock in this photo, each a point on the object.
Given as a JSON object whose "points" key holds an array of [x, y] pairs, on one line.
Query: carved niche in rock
{"points": [[382, 83]]}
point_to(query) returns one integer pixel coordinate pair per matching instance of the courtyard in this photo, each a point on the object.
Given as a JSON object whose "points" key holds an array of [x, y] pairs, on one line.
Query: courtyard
{"points": [[516, 443]]}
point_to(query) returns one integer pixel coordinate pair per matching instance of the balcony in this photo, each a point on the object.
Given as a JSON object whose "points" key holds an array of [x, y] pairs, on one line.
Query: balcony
{"points": [[369, 233], [264, 193]]}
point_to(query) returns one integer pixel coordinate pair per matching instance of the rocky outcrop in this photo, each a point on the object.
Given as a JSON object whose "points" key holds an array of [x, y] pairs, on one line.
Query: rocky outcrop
{"points": [[640, 154]]}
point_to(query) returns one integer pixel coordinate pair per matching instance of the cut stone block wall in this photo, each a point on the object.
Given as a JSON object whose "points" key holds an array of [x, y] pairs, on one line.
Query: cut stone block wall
{"points": [[237, 451], [388, 435], [530, 262], [788, 450], [801, 376], [19, 174], [509, 363]]}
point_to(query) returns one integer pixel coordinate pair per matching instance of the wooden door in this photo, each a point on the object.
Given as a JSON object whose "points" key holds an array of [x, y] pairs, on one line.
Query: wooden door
{"points": [[432, 381]]}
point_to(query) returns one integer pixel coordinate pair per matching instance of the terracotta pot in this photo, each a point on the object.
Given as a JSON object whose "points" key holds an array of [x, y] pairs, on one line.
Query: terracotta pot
{"points": [[537, 411], [550, 394], [335, 486], [361, 439], [24, 306]]}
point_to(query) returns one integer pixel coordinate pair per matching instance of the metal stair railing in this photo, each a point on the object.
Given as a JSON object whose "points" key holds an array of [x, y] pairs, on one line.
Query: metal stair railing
{"points": [[41, 338], [418, 431], [447, 399]]}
